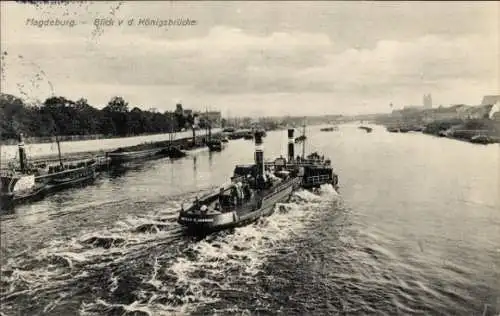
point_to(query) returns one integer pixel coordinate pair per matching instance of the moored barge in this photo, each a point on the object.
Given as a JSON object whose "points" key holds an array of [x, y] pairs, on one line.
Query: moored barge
{"points": [[120, 155], [329, 129], [216, 144], [366, 129]]}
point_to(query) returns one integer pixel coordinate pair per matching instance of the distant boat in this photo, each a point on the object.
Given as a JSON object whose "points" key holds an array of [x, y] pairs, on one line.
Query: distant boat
{"points": [[248, 135], [216, 145], [229, 130], [240, 134], [300, 139], [482, 139], [316, 169], [329, 129], [123, 155], [144, 151], [366, 128]]}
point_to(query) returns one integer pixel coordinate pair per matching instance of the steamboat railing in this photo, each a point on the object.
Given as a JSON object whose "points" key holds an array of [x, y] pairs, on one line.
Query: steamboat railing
{"points": [[318, 179], [302, 162]]}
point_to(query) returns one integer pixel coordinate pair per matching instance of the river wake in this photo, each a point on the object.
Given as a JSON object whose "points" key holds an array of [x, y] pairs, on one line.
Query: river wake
{"points": [[146, 265]]}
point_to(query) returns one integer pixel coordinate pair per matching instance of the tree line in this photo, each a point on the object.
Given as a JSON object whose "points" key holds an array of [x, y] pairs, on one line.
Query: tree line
{"points": [[62, 116]]}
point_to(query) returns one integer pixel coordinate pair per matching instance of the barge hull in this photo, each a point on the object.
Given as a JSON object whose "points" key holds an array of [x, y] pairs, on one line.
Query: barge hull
{"points": [[124, 157], [9, 201]]}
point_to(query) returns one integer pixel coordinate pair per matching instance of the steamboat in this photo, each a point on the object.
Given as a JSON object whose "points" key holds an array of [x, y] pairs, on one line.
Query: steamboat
{"points": [[253, 193], [29, 182], [316, 170], [255, 189]]}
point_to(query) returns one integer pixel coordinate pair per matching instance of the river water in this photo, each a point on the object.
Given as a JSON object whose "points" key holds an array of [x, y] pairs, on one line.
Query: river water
{"points": [[413, 230]]}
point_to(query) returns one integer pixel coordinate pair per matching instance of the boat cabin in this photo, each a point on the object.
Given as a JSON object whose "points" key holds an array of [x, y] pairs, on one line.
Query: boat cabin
{"points": [[244, 191]]}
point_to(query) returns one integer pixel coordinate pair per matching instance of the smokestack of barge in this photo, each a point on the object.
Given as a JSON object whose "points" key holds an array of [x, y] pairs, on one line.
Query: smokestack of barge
{"points": [[259, 154], [291, 141], [22, 153]]}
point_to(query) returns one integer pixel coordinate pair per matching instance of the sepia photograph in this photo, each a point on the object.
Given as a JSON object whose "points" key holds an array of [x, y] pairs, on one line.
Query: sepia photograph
{"points": [[229, 158]]}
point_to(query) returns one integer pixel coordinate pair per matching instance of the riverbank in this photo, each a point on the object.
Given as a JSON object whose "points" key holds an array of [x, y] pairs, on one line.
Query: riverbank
{"points": [[76, 148], [473, 130], [185, 143], [465, 123], [483, 131]]}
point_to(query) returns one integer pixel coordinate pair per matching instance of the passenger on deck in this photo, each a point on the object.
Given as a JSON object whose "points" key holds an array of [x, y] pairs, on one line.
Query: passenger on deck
{"points": [[247, 192], [221, 195], [239, 188], [234, 194], [204, 209]]}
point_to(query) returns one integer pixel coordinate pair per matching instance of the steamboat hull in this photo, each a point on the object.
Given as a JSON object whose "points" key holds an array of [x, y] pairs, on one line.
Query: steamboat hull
{"points": [[309, 185], [199, 224], [10, 200]]}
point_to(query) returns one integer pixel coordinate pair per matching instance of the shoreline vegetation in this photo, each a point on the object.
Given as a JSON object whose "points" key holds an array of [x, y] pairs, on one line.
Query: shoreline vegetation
{"points": [[77, 120], [62, 119], [475, 124]]}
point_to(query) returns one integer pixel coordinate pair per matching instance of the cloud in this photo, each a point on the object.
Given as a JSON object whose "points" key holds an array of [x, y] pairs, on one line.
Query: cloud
{"points": [[429, 60], [229, 62]]}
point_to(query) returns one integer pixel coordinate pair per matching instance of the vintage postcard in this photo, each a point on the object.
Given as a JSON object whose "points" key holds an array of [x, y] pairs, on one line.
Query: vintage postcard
{"points": [[249, 158]]}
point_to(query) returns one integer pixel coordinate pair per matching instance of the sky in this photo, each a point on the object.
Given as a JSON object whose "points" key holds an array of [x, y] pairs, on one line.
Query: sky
{"points": [[255, 58]]}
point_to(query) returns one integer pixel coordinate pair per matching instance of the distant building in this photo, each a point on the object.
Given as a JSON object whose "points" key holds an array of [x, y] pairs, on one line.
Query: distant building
{"points": [[212, 117], [410, 108], [495, 111], [490, 99], [178, 109], [482, 111], [457, 111], [463, 111], [427, 101], [445, 113]]}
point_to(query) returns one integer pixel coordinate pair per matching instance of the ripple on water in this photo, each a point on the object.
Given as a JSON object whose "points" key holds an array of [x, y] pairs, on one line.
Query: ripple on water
{"points": [[145, 265]]}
